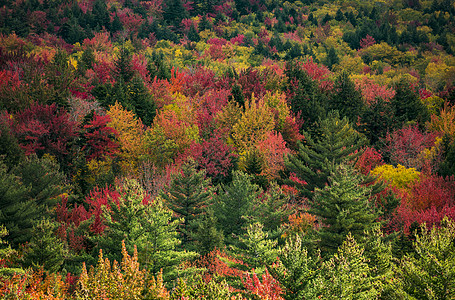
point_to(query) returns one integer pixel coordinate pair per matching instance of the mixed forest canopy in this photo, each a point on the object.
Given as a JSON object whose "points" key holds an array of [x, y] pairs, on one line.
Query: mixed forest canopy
{"points": [[227, 149]]}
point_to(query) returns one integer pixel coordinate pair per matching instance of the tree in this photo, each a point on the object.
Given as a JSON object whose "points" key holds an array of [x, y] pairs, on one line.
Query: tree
{"points": [[188, 196], [346, 275], [343, 207], [145, 225], [45, 249], [337, 142], [346, 98], [295, 270], [256, 250], [429, 273], [129, 137], [407, 105], [232, 202], [28, 192]]}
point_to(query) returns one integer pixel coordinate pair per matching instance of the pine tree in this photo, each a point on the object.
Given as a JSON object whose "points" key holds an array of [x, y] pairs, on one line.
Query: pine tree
{"points": [[306, 98], [430, 273], [337, 142], [144, 224], [407, 105], [188, 195], [271, 210], [347, 99], [27, 193], [343, 207], [45, 248], [234, 201], [255, 249], [295, 269], [346, 275], [207, 237]]}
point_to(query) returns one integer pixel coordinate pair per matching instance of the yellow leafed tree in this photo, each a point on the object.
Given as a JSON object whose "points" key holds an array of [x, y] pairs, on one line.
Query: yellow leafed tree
{"points": [[130, 137]]}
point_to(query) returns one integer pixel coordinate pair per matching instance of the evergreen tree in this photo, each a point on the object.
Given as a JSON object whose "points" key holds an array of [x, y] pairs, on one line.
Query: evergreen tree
{"points": [[342, 207], [295, 269], [207, 237], [10, 151], [28, 192], [234, 201], [346, 275], [146, 225], [123, 68], [337, 142], [188, 195], [45, 248], [6, 253], [376, 120], [307, 100], [271, 210], [347, 99], [256, 249], [430, 273], [407, 105]]}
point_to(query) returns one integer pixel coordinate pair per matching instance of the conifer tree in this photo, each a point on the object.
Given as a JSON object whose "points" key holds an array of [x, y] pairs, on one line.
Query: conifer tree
{"points": [[295, 269], [207, 237], [233, 202], [145, 224], [347, 99], [430, 273], [45, 248], [256, 249], [337, 142], [27, 193], [343, 207], [407, 105], [346, 275], [188, 195]]}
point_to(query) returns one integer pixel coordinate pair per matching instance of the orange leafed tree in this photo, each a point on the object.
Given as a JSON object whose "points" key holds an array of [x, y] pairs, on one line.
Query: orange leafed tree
{"points": [[130, 136]]}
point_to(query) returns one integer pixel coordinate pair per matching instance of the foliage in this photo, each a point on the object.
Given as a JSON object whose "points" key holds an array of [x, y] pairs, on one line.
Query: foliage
{"points": [[337, 142], [343, 207], [429, 273]]}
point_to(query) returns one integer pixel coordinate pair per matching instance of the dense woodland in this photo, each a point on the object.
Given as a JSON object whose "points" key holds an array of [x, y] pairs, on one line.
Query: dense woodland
{"points": [[227, 149]]}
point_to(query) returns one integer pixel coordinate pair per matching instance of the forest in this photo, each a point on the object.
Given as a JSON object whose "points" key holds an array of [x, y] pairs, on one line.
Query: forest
{"points": [[227, 149]]}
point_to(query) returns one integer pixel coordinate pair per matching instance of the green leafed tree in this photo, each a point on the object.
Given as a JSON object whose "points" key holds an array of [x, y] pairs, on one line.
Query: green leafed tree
{"points": [[430, 272], [188, 196], [336, 142], [295, 270], [233, 202], [342, 207], [346, 275]]}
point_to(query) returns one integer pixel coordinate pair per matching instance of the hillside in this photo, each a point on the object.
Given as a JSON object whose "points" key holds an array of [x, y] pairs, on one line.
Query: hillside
{"points": [[227, 149]]}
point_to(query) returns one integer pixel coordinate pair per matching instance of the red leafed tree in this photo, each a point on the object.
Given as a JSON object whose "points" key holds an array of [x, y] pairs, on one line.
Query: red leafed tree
{"points": [[199, 81], [98, 138], [44, 129], [273, 150], [96, 200], [319, 73], [218, 264], [367, 41], [213, 155], [70, 219], [252, 81], [370, 159], [404, 146], [371, 90], [207, 107], [268, 288], [430, 199]]}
